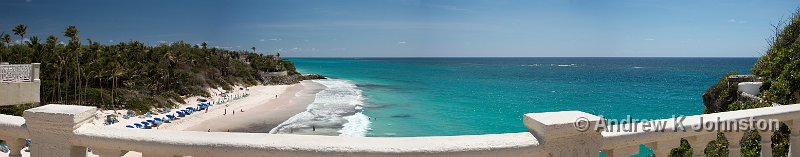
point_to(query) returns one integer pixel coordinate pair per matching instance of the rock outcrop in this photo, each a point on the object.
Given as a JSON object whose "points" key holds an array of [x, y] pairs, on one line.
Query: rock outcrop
{"points": [[313, 77]]}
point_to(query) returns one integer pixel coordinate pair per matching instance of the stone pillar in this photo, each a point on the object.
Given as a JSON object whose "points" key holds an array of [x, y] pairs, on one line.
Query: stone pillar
{"points": [[52, 129], [35, 70], [794, 137], [766, 143], [559, 136], [663, 148], [734, 147], [15, 146]]}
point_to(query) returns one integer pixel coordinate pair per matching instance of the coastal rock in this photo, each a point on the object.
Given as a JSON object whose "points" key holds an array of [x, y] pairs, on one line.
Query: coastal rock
{"points": [[719, 95], [313, 77]]}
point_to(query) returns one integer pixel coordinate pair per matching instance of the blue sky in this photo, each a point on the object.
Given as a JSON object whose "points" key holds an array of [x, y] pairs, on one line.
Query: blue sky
{"points": [[412, 28]]}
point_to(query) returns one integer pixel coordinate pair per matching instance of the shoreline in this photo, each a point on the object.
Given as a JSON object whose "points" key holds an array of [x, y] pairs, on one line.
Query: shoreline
{"points": [[263, 116]]}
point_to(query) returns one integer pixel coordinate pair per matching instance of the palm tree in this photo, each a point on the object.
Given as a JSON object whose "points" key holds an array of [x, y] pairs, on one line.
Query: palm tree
{"points": [[20, 30], [254, 49], [204, 45], [52, 41], [34, 43], [74, 44], [6, 38]]}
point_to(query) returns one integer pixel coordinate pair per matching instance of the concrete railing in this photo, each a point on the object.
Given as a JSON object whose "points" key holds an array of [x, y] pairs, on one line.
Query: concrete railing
{"points": [[19, 83], [58, 130]]}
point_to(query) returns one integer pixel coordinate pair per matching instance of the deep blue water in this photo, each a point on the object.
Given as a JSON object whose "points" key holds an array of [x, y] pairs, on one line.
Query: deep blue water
{"points": [[465, 96]]}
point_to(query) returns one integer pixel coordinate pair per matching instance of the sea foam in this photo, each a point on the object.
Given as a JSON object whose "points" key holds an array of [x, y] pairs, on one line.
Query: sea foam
{"points": [[336, 110]]}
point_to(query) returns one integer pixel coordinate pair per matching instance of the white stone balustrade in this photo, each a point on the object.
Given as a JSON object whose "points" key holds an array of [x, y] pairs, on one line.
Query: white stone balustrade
{"points": [[19, 83], [57, 130]]}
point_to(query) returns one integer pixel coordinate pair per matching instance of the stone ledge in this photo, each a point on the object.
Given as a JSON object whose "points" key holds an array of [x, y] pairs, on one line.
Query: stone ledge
{"points": [[553, 125], [54, 115]]}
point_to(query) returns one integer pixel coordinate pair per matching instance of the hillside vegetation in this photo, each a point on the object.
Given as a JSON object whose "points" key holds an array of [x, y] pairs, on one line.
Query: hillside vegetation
{"points": [[133, 75], [779, 69]]}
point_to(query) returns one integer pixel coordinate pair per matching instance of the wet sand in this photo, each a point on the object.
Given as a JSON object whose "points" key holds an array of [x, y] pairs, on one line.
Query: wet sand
{"points": [[263, 117]]}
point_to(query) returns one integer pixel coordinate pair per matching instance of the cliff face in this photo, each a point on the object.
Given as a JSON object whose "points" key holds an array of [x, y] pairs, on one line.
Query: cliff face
{"points": [[720, 95], [717, 99]]}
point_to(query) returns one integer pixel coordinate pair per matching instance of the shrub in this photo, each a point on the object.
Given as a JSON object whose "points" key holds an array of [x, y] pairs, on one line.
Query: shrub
{"points": [[780, 141], [684, 150], [751, 144], [718, 147], [780, 65]]}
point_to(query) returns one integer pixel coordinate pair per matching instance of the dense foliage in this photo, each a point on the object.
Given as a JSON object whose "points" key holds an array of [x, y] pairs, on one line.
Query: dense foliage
{"points": [[780, 141], [683, 150], [719, 95], [131, 74], [718, 147], [781, 65], [780, 69], [747, 104], [750, 144]]}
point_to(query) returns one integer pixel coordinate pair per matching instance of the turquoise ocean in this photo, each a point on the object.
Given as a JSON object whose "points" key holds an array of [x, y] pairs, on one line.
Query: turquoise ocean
{"points": [[405, 97]]}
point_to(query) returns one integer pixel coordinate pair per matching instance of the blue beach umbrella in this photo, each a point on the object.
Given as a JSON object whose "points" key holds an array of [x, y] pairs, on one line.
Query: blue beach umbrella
{"points": [[129, 126], [137, 125]]}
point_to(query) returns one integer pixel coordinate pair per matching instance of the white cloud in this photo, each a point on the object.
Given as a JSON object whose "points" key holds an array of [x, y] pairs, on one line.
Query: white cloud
{"points": [[649, 39], [737, 21], [275, 39], [111, 41], [261, 40], [401, 42]]}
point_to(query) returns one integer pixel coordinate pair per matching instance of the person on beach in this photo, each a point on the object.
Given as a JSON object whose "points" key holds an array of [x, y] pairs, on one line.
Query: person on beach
{"points": [[234, 112], [313, 128], [226, 112], [209, 130], [241, 110]]}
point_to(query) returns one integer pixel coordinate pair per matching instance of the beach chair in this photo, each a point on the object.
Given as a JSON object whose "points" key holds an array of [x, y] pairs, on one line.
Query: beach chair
{"points": [[146, 125], [171, 117], [152, 122]]}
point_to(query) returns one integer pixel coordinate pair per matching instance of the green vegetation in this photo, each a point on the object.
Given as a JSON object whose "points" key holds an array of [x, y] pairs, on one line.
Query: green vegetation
{"points": [[780, 69], [718, 147], [684, 150], [781, 65], [780, 141], [751, 144], [132, 75], [719, 95], [747, 104]]}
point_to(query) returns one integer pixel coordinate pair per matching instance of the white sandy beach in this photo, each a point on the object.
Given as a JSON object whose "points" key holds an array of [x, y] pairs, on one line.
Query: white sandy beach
{"points": [[262, 109]]}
